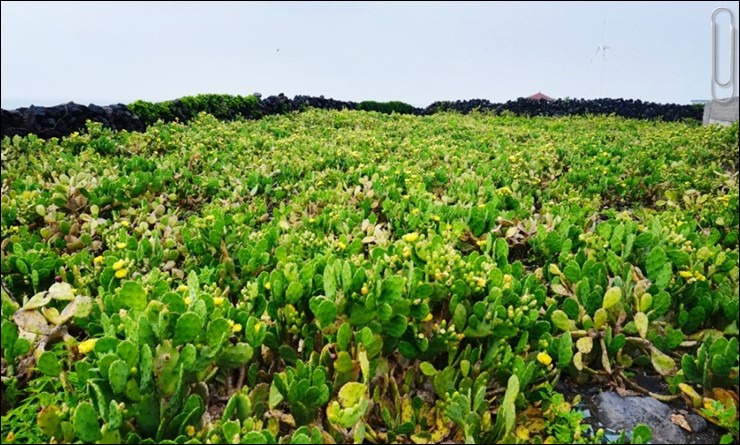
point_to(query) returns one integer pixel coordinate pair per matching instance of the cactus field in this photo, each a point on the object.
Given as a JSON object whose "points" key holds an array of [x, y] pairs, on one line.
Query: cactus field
{"points": [[351, 276]]}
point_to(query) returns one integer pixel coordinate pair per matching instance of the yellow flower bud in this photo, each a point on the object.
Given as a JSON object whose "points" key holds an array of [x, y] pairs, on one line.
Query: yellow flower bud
{"points": [[87, 345], [411, 237], [544, 358]]}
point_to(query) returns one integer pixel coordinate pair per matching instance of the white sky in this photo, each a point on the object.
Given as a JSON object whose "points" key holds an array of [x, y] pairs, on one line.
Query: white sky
{"points": [[418, 53]]}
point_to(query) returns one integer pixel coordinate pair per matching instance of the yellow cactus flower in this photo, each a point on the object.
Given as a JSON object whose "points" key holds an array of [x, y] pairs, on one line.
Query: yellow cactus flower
{"points": [[481, 242], [187, 300], [87, 345], [686, 273], [210, 217], [98, 259], [435, 218], [364, 290], [267, 285], [427, 318], [218, 301], [125, 223], [190, 431], [121, 245], [121, 273], [237, 327], [544, 358], [182, 288], [119, 265], [522, 433], [411, 237], [341, 245], [257, 327]]}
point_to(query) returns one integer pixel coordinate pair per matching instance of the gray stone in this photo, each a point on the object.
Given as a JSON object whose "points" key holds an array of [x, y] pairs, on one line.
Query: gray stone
{"points": [[696, 422], [623, 413]]}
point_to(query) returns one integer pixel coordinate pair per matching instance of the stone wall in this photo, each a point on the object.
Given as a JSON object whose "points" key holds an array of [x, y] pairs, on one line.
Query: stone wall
{"points": [[62, 120]]}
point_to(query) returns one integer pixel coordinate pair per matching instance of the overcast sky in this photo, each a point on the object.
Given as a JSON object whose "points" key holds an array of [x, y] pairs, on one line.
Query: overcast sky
{"points": [[418, 53]]}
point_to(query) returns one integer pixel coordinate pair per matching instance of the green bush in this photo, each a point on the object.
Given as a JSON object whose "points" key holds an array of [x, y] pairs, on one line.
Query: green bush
{"points": [[393, 106], [222, 106]]}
